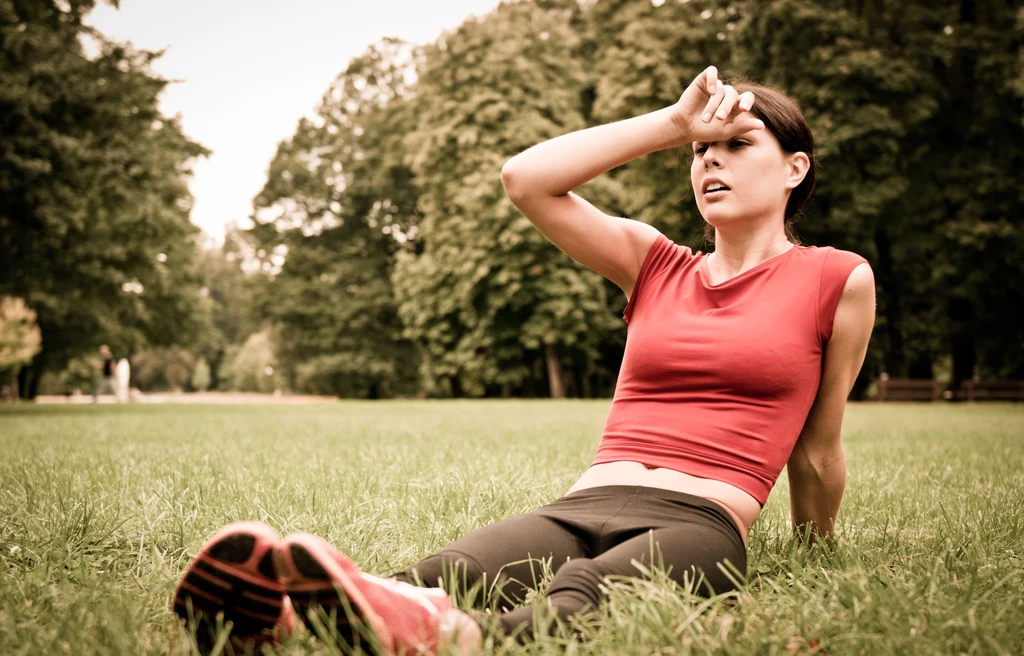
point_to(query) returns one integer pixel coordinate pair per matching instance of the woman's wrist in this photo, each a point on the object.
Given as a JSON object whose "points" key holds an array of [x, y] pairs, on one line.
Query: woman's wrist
{"points": [[676, 131]]}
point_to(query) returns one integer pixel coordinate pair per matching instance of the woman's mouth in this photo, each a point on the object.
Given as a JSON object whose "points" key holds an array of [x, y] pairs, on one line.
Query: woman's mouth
{"points": [[716, 191], [714, 188]]}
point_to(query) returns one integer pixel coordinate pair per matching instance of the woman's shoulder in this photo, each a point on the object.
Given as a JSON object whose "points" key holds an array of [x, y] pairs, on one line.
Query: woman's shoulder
{"points": [[830, 257], [665, 254]]}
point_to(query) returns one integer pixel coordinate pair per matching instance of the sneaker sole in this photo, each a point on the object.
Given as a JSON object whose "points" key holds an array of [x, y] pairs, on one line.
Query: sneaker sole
{"points": [[314, 580], [234, 577]]}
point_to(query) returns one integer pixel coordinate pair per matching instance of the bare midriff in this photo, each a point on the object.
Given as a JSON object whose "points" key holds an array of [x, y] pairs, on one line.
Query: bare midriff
{"points": [[742, 507]]}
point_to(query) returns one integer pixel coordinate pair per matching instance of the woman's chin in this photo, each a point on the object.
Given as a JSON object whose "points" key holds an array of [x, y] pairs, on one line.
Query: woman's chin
{"points": [[720, 218], [725, 218]]}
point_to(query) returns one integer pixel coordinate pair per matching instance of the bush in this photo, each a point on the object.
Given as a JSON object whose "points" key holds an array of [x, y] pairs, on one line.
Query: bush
{"points": [[201, 376], [78, 375], [20, 338], [253, 367], [162, 369]]}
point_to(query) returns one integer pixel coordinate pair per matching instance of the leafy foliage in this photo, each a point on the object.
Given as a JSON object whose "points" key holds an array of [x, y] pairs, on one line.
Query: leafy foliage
{"points": [[253, 367], [227, 312], [906, 100], [390, 261], [19, 335], [200, 376], [162, 369], [489, 300], [641, 58], [93, 202], [340, 202], [896, 96]]}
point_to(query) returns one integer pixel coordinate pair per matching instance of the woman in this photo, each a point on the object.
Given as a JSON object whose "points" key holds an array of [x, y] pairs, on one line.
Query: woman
{"points": [[737, 363]]}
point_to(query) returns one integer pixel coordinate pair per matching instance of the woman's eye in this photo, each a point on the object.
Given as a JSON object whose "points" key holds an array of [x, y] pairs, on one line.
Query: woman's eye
{"points": [[737, 144], [700, 150]]}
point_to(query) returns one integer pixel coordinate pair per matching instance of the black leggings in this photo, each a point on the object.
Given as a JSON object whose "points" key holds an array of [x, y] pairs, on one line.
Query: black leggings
{"points": [[585, 537]]}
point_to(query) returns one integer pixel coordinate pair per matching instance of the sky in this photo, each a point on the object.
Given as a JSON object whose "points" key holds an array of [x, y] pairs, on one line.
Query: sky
{"points": [[247, 71]]}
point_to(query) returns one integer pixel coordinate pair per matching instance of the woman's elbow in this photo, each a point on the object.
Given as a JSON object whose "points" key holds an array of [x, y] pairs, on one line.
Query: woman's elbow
{"points": [[511, 179], [829, 470], [818, 465]]}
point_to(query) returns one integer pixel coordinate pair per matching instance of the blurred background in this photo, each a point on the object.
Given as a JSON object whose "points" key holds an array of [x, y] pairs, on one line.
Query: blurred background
{"points": [[304, 198]]}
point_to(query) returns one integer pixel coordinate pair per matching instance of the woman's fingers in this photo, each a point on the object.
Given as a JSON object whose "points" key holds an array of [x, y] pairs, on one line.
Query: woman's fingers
{"points": [[713, 103], [746, 101], [741, 116], [724, 103], [744, 124], [711, 79], [728, 103]]}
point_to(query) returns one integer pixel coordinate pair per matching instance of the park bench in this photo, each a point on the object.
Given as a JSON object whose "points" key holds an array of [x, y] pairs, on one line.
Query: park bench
{"points": [[992, 390], [908, 389]]}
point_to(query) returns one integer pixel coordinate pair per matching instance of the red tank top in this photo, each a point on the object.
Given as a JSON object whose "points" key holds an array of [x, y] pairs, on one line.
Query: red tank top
{"points": [[717, 380]]}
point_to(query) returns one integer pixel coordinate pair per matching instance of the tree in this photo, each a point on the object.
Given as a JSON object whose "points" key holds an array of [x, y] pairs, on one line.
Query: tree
{"points": [[253, 367], [393, 262], [493, 305], [894, 92], [201, 376], [641, 57], [338, 204], [863, 97], [20, 338], [227, 307], [162, 369], [94, 229], [976, 154]]}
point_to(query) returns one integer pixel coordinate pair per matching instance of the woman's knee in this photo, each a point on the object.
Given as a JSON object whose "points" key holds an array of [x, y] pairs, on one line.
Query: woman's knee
{"points": [[708, 571], [446, 569], [578, 586], [464, 577]]}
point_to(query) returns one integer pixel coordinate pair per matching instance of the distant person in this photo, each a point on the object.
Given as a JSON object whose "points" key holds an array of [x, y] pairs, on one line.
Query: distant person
{"points": [[106, 382], [737, 363], [122, 380]]}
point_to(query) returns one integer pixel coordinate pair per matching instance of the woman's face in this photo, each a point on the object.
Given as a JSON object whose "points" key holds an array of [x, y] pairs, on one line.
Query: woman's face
{"points": [[746, 180]]}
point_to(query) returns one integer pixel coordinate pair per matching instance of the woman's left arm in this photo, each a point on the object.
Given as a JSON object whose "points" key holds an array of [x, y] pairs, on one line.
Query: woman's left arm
{"points": [[817, 466]]}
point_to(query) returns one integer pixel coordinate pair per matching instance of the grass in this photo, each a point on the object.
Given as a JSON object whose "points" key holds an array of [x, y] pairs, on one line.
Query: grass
{"points": [[101, 508]]}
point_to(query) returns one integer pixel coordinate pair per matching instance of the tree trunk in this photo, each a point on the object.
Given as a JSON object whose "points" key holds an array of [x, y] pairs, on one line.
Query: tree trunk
{"points": [[22, 382], [586, 391], [860, 386], [895, 354], [921, 367], [554, 372], [457, 391], [961, 338], [215, 365], [29, 376], [10, 385]]}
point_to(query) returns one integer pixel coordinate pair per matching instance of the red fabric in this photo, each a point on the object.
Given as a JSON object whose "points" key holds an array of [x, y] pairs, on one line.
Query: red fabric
{"points": [[717, 381]]}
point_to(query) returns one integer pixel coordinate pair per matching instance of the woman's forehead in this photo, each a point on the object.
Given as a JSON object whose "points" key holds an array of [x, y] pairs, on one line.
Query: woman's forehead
{"points": [[752, 135]]}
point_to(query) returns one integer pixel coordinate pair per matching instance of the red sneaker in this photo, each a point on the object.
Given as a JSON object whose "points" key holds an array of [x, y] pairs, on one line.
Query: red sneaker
{"points": [[404, 618], [233, 579]]}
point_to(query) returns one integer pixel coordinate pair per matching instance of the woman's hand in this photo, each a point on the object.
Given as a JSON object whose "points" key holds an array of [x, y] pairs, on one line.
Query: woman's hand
{"points": [[710, 111]]}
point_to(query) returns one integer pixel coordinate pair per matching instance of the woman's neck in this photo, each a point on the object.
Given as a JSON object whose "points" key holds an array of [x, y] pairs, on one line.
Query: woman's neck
{"points": [[736, 254]]}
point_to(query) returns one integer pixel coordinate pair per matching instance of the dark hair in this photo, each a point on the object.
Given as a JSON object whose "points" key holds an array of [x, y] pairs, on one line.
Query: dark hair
{"points": [[782, 117]]}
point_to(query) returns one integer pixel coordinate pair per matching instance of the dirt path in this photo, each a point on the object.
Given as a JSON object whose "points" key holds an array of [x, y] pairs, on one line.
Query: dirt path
{"points": [[195, 397]]}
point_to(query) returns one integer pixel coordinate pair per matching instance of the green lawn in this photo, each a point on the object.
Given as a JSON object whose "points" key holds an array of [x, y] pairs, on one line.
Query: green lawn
{"points": [[101, 507]]}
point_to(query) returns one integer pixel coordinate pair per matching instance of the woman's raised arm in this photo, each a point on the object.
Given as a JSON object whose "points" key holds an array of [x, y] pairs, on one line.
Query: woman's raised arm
{"points": [[541, 179]]}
